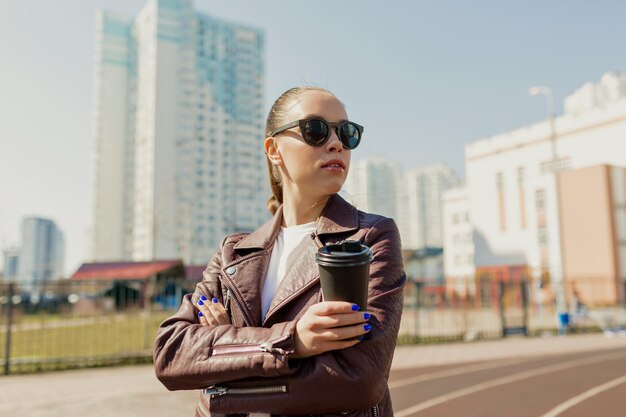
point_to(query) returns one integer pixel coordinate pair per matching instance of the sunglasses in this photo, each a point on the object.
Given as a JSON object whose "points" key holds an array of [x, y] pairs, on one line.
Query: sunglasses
{"points": [[317, 131]]}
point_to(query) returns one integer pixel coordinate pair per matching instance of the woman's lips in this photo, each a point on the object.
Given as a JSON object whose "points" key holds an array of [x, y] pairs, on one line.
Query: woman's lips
{"points": [[333, 168]]}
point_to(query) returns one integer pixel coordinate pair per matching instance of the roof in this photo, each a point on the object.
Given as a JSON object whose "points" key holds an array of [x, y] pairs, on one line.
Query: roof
{"points": [[193, 273], [124, 270]]}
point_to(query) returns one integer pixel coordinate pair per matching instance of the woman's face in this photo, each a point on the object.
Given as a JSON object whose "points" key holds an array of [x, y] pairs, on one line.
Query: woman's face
{"points": [[309, 170]]}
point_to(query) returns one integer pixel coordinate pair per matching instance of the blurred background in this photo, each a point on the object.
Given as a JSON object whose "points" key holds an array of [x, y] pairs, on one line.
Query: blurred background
{"points": [[131, 144]]}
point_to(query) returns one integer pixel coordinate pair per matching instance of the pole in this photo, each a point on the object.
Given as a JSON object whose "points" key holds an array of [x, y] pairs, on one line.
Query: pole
{"points": [[7, 350], [556, 270]]}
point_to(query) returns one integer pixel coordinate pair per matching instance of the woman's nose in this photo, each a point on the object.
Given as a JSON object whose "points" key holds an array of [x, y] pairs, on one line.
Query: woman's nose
{"points": [[334, 144]]}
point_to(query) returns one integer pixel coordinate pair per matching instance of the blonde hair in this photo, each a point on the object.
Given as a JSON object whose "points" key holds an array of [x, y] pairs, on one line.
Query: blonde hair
{"points": [[275, 119]]}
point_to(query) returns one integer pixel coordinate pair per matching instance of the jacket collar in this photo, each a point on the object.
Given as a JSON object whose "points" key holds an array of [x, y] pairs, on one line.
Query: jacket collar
{"points": [[338, 216]]}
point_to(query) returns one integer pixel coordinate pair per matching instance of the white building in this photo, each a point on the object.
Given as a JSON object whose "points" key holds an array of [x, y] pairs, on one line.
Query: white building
{"points": [[11, 263], [424, 189], [179, 133], [373, 186], [42, 251], [413, 199], [513, 203], [458, 240]]}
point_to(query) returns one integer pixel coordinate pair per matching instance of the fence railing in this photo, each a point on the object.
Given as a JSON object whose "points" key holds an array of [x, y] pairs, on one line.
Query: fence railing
{"points": [[487, 309], [60, 325], [67, 324]]}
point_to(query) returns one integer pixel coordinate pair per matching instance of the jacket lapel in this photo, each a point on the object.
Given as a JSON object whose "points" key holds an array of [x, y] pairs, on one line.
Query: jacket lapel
{"points": [[300, 275], [245, 273]]}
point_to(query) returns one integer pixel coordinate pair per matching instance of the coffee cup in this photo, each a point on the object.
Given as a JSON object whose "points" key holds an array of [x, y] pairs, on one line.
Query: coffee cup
{"points": [[344, 271]]}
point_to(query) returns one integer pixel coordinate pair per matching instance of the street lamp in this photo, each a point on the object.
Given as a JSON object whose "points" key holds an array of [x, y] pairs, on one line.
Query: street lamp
{"points": [[556, 270]]}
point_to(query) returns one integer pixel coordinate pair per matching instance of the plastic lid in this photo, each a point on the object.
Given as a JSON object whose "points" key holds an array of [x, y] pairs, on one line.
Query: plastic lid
{"points": [[348, 251]]}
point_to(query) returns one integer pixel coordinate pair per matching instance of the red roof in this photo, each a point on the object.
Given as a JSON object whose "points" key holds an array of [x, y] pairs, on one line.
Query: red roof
{"points": [[123, 270], [193, 273]]}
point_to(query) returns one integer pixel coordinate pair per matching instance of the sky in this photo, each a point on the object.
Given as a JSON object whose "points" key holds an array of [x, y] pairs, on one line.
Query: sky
{"points": [[425, 78]]}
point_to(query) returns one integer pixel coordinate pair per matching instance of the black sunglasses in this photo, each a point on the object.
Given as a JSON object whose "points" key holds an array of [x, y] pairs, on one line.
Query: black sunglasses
{"points": [[316, 131]]}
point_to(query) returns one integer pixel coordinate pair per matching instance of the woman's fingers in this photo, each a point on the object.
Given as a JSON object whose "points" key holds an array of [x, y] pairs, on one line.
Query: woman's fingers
{"points": [[327, 308], [343, 333], [341, 320], [202, 319], [213, 313], [219, 312]]}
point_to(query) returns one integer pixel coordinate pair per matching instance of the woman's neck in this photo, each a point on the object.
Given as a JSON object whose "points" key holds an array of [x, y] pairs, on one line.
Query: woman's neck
{"points": [[298, 209]]}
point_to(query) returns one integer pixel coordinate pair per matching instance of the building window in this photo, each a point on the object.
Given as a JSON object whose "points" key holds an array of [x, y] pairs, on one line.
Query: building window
{"points": [[501, 202], [540, 200], [522, 197], [542, 237]]}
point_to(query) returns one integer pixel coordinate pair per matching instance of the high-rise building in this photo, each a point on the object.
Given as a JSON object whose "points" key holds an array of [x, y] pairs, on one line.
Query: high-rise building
{"points": [[373, 185], [179, 133], [42, 253], [413, 199], [424, 191], [11, 263]]}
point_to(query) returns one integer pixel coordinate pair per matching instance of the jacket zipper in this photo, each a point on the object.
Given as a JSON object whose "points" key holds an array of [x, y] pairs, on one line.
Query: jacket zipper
{"points": [[376, 411], [218, 391], [236, 349], [227, 301]]}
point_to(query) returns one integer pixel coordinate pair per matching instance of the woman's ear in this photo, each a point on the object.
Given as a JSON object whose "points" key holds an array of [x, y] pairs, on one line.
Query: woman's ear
{"points": [[271, 150]]}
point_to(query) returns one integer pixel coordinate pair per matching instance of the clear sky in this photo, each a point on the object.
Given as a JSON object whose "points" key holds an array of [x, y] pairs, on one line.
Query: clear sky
{"points": [[424, 78]]}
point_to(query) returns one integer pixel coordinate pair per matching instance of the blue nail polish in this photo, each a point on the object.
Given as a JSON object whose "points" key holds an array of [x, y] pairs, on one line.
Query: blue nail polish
{"points": [[215, 300], [203, 297], [200, 302], [367, 327], [355, 307], [199, 313], [361, 338], [367, 316]]}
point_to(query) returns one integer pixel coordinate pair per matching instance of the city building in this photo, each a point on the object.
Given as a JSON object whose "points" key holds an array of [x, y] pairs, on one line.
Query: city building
{"points": [[178, 111], [11, 263], [424, 188], [458, 241], [374, 186], [412, 199], [42, 251], [531, 193]]}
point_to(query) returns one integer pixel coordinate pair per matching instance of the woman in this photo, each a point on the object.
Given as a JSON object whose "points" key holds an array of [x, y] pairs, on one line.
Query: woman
{"points": [[256, 335]]}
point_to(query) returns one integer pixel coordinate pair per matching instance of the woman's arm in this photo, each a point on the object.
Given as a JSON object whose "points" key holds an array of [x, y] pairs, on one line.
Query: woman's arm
{"points": [[188, 355]]}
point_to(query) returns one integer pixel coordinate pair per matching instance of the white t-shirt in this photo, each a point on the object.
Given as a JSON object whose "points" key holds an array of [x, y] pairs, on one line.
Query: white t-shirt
{"points": [[288, 240]]}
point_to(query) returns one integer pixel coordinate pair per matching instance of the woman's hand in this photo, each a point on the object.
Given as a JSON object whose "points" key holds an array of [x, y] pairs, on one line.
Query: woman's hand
{"points": [[211, 312], [325, 326]]}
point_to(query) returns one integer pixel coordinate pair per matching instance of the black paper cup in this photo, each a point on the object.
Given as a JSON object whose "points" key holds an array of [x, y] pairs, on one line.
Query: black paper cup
{"points": [[344, 271]]}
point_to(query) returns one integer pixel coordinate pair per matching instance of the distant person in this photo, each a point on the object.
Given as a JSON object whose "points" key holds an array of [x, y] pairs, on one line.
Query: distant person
{"points": [[255, 333]]}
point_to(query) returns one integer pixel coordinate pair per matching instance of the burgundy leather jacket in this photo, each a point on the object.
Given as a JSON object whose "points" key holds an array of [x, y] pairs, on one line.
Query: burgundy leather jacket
{"points": [[245, 366]]}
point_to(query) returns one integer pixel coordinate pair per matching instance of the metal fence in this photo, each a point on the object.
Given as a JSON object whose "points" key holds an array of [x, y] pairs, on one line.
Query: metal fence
{"points": [[61, 325], [69, 324], [437, 311]]}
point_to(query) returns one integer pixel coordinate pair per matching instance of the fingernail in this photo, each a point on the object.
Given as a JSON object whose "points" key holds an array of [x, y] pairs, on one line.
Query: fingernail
{"points": [[361, 338], [215, 300], [355, 307], [199, 313], [203, 297], [367, 327], [200, 302], [367, 316]]}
